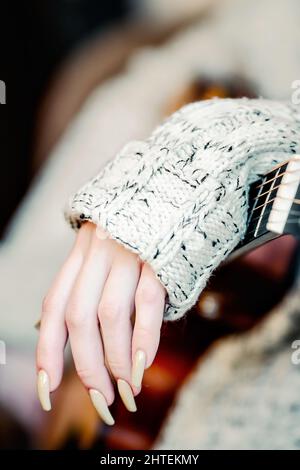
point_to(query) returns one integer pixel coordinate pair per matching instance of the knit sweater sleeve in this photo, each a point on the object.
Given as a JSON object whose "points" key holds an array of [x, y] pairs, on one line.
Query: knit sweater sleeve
{"points": [[179, 198]]}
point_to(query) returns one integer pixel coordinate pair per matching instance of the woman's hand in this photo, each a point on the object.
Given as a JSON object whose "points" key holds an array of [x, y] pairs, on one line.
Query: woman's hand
{"points": [[91, 301]]}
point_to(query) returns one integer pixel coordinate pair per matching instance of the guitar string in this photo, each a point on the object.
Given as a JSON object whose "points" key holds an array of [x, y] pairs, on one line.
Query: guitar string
{"points": [[292, 212], [266, 216], [267, 202], [275, 177], [294, 201], [282, 164], [292, 221], [273, 188]]}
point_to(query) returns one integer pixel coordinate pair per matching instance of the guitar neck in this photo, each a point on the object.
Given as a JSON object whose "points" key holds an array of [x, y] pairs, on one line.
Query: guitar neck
{"points": [[274, 206]]}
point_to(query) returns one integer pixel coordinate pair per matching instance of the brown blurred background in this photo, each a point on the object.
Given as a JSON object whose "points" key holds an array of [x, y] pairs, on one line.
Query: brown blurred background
{"points": [[36, 38]]}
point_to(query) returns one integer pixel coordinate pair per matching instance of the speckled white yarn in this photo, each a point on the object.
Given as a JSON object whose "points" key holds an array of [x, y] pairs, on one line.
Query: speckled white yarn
{"points": [[179, 199]]}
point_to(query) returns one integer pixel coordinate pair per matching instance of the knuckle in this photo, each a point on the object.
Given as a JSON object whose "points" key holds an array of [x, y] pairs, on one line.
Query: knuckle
{"points": [[110, 312], [118, 366], [143, 333], [50, 303], [75, 317], [86, 375], [147, 293]]}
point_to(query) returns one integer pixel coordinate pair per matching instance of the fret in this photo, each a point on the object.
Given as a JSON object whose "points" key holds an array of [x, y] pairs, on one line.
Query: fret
{"points": [[269, 177], [267, 198], [257, 197], [268, 180], [294, 214], [279, 176], [265, 181], [266, 202], [275, 187], [274, 202], [252, 229], [286, 198], [253, 223], [253, 199], [281, 165], [268, 209], [261, 195]]}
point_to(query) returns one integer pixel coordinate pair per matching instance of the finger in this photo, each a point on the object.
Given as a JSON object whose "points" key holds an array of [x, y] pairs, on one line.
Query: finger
{"points": [[53, 334], [149, 303], [83, 326], [115, 309]]}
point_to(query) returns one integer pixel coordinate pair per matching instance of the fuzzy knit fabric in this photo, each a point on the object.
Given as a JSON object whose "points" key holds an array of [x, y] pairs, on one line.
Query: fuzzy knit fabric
{"points": [[179, 198], [244, 394]]}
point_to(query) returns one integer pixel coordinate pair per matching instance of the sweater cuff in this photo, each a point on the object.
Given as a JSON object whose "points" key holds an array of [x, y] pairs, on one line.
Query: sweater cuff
{"points": [[179, 199], [165, 227]]}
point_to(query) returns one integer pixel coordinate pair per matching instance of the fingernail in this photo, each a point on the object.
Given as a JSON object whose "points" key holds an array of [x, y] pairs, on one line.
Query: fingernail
{"points": [[138, 368], [100, 404], [43, 387], [126, 395], [37, 325]]}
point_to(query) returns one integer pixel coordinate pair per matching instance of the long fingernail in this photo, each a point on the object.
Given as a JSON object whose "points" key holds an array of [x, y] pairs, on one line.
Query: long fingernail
{"points": [[126, 395], [100, 404], [138, 368], [43, 387]]}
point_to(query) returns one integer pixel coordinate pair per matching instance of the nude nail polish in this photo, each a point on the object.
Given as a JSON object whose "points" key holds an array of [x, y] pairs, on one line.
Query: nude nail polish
{"points": [[43, 388], [126, 395], [100, 404], [138, 368]]}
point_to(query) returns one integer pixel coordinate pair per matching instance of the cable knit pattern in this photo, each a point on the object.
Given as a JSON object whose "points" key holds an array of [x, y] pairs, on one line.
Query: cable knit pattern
{"points": [[179, 199]]}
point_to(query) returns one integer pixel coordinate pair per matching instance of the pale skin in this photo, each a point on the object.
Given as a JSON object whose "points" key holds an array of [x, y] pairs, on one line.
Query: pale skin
{"points": [[91, 302]]}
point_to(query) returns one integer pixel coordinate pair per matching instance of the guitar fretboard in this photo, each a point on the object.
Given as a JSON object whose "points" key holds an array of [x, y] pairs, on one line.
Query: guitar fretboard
{"points": [[274, 206], [261, 197]]}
